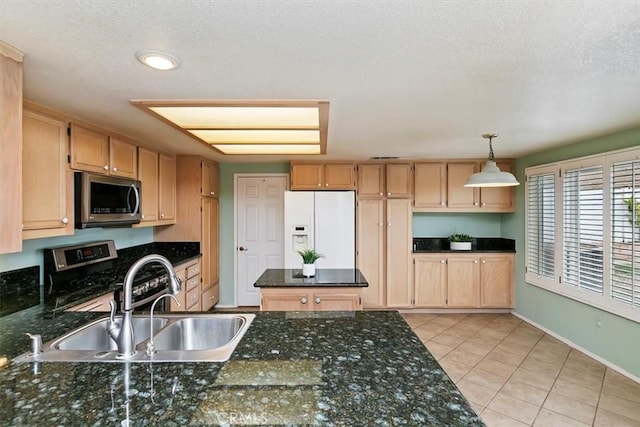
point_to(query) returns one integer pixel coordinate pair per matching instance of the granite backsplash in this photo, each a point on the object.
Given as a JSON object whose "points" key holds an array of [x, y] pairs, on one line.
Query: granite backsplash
{"points": [[19, 289]]}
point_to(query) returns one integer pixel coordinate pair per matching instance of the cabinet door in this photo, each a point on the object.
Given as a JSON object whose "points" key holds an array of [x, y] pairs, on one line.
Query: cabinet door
{"points": [[214, 237], [498, 199], [458, 195], [370, 250], [45, 202], [463, 281], [430, 281], [332, 301], [399, 241], [209, 179], [209, 298], [307, 176], [430, 185], [284, 300], [167, 187], [370, 180], [123, 158], [89, 150], [496, 281], [10, 150], [339, 176], [209, 242], [398, 178], [148, 176]]}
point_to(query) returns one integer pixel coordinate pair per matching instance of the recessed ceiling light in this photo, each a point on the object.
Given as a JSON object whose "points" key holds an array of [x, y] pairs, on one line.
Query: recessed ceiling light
{"points": [[158, 60]]}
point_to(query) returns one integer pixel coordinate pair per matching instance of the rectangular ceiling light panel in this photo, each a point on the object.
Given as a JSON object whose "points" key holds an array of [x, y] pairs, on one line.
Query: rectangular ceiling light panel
{"points": [[248, 127]]}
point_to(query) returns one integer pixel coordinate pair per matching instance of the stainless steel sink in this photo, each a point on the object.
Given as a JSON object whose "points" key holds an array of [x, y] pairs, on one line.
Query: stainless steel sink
{"points": [[177, 338], [94, 336]]}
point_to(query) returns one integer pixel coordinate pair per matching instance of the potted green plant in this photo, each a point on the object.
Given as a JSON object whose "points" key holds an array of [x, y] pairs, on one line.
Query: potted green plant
{"points": [[309, 257], [460, 242]]}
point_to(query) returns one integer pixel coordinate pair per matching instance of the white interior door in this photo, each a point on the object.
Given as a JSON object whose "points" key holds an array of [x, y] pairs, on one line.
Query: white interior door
{"points": [[259, 231]]}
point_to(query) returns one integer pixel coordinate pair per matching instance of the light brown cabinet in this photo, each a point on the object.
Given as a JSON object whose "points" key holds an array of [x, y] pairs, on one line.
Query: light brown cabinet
{"points": [[370, 254], [399, 289], [157, 174], [458, 195], [167, 187], [197, 219], [96, 152], [310, 299], [463, 280], [430, 185], [323, 176], [398, 180], [98, 304], [210, 174], [498, 199], [371, 180], [47, 183], [10, 149]]}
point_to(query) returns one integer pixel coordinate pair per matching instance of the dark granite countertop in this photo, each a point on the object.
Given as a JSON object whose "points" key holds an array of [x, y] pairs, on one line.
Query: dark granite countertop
{"points": [[315, 368], [327, 277], [479, 244]]}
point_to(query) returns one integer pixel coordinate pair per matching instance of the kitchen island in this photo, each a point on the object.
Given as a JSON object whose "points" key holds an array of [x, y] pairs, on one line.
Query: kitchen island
{"points": [[319, 368], [283, 289]]}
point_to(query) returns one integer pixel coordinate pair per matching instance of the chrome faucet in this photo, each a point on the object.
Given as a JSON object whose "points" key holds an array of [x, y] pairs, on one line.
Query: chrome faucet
{"points": [[122, 334], [151, 348]]}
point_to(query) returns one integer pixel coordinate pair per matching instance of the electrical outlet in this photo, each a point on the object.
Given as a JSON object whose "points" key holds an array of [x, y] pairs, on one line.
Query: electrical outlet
{"points": [[598, 322]]}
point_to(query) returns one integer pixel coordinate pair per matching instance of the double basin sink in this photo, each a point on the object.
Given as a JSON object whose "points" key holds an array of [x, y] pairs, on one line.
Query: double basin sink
{"points": [[177, 338]]}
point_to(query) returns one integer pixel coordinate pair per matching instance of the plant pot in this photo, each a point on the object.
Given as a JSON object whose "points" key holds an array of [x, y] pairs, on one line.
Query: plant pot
{"points": [[460, 246], [308, 270]]}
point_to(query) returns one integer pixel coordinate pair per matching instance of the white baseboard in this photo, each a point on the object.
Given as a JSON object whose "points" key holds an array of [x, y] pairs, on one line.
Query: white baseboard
{"points": [[577, 347], [226, 306], [449, 310]]}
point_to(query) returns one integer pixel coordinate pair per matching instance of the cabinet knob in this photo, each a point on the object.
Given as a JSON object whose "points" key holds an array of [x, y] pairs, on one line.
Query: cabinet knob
{"points": [[388, 194], [389, 224], [319, 185], [475, 203], [303, 300], [484, 261], [105, 167], [115, 169], [194, 296], [441, 203], [326, 184], [65, 220], [484, 204], [213, 193], [317, 300], [142, 216], [380, 224], [441, 261], [475, 261], [381, 194], [161, 215]]}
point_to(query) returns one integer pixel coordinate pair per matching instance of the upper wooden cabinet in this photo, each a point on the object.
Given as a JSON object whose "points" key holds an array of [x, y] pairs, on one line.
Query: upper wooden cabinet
{"points": [[458, 195], [10, 149], [398, 180], [47, 183], [167, 187], [210, 173], [371, 180], [96, 152], [323, 176], [157, 174], [498, 199], [148, 176], [430, 185]]}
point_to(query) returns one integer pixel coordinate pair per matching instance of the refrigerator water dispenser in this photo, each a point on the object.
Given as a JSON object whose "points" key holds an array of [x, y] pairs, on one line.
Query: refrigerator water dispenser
{"points": [[300, 238]]}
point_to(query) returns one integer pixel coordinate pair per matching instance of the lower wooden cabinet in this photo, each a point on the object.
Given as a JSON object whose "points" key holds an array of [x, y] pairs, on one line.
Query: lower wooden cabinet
{"points": [[310, 299], [463, 280], [98, 304], [189, 296]]}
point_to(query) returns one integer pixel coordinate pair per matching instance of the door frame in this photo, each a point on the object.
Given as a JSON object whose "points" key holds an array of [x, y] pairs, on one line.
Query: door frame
{"points": [[236, 176]]}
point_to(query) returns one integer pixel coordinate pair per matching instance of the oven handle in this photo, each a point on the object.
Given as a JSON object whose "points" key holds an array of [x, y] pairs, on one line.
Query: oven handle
{"points": [[148, 299]]}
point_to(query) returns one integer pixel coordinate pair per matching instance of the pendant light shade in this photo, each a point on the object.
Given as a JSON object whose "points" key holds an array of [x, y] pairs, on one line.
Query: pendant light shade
{"points": [[491, 175]]}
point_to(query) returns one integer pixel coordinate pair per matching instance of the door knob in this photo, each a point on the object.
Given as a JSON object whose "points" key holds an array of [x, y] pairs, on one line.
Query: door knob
{"points": [[242, 248]]}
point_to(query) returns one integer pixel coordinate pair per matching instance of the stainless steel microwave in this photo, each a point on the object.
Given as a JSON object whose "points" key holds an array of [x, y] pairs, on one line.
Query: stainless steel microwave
{"points": [[106, 201]]}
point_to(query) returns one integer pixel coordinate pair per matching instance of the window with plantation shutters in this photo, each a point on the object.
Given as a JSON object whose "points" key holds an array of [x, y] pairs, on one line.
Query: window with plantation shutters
{"points": [[541, 224], [625, 232], [582, 230]]}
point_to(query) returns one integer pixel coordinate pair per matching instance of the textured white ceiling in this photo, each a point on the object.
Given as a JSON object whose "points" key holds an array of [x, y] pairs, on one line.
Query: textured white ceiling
{"points": [[407, 78]]}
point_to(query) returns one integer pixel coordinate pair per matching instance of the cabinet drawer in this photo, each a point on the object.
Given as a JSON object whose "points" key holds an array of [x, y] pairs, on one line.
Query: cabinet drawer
{"points": [[192, 270], [193, 300], [192, 283], [209, 298]]}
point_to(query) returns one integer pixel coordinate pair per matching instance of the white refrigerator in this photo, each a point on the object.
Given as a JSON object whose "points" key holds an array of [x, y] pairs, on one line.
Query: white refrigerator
{"points": [[320, 220]]}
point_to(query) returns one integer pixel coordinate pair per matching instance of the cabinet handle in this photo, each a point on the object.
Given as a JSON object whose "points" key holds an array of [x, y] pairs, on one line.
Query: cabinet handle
{"points": [[319, 185], [65, 220], [161, 215], [105, 167], [303, 300], [115, 169], [380, 224], [213, 193], [475, 203], [142, 216], [441, 261], [317, 300], [388, 194], [441, 203], [484, 261], [381, 194], [326, 184], [475, 261], [484, 204]]}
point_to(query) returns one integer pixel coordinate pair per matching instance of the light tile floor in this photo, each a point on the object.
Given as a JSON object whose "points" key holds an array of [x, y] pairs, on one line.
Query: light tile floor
{"points": [[514, 374]]}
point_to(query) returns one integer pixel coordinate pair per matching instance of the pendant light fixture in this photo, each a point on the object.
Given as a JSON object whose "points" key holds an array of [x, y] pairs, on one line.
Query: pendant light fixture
{"points": [[491, 175]]}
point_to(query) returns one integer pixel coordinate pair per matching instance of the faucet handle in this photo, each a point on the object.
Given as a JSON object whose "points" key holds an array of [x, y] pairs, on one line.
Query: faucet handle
{"points": [[112, 325]]}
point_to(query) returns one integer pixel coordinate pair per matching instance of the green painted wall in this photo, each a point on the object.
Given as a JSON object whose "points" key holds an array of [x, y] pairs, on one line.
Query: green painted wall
{"points": [[618, 341], [32, 249], [227, 290], [442, 225]]}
